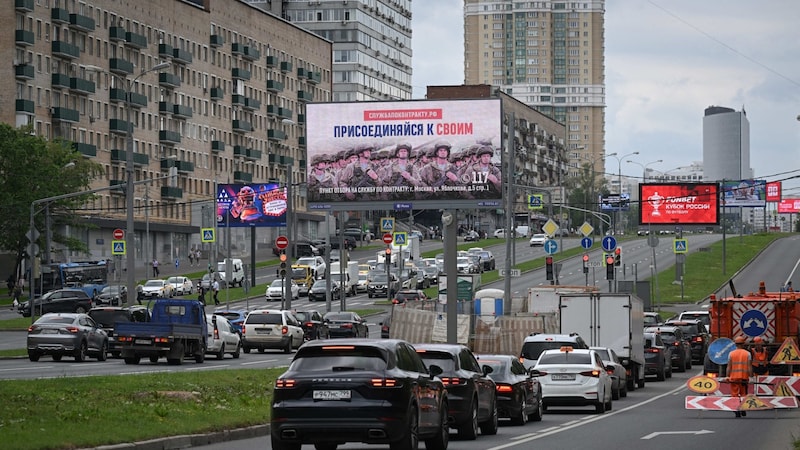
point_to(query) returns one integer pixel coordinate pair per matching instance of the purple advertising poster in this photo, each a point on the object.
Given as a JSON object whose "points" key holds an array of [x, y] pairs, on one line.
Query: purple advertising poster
{"points": [[251, 205]]}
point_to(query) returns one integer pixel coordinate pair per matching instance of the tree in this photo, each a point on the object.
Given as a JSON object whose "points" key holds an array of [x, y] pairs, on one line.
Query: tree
{"points": [[32, 168]]}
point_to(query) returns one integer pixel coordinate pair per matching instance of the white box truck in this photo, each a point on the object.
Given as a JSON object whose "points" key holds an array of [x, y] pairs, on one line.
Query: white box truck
{"points": [[350, 276], [545, 299], [609, 320], [410, 250]]}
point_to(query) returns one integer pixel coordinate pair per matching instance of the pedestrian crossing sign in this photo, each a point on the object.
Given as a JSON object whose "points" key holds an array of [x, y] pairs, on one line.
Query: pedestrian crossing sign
{"points": [[400, 238], [679, 246], [207, 235], [117, 247], [787, 354], [387, 224]]}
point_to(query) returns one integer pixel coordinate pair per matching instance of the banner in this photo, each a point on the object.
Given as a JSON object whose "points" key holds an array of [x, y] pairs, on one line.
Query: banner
{"points": [[615, 202], [774, 191], [679, 203], [255, 205], [747, 193], [789, 206]]}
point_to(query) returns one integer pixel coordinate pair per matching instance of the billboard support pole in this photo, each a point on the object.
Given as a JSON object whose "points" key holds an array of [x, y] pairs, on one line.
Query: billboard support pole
{"points": [[449, 229], [511, 154], [724, 224]]}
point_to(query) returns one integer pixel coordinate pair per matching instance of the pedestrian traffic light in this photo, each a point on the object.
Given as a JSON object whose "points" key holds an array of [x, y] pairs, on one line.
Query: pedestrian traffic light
{"points": [[585, 263], [609, 267], [282, 270], [549, 267], [617, 254]]}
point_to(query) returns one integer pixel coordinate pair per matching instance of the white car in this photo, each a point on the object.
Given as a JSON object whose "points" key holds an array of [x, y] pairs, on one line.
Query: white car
{"points": [[538, 240], [619, 375], [222, 337], [181, 285], [361, 286], [574, 377], [317, 264], [275, 290], [157, 289], [272, 329]]}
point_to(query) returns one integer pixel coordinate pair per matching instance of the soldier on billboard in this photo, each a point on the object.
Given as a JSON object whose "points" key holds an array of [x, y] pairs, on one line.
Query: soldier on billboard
{"points": [[439, 172], [484, 173], [320, 178], [360, 174], [401, 173]]}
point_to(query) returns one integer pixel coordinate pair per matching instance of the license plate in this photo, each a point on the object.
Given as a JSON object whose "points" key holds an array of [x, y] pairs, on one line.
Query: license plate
{"points": [[562, 376], [263, 331], [143, 341], [332, 395], [49, 331]]}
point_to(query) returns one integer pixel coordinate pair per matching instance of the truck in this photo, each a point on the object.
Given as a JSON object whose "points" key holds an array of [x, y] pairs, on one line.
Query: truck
{"points": [[350, 276], [608, 320], [236, 277], [303, 275], [545, 299], [410, 250], [176, 329]]}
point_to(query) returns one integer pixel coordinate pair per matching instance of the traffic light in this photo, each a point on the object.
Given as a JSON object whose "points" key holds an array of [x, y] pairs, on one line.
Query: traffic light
{"points": [[549, 267], [585, 263], [282, 270], [609, 267], [617, 254]]}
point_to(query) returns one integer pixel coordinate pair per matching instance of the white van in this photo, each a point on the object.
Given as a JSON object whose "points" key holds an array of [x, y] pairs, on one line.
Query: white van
{"points": [[237, 272]]}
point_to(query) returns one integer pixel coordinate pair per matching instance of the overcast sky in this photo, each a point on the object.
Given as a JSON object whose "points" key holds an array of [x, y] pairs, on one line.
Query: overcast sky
{"points": [[666, 61]]}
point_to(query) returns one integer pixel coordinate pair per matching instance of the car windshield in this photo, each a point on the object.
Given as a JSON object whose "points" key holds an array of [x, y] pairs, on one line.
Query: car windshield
{"points": [[443, 360], [532, 350], [667, 337], [228, 315], [603, 353], [339, 316], [302, 315], [276, 283], [406, 295], [155, 283], [307, 262], [650, 320], [108, 318], [380, 278], [112, 289], [462, 260], [565, 358], [340, 359], [703, 318], [498, 367], [688, 330], [54, 318], [264, 319]]}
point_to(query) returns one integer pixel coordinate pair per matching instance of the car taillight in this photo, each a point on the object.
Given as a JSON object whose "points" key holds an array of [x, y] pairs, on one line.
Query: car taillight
{"points": [[284, 383], [591, 373], [652, 350], [383, 382], [309, 324], [676, 343], [453, 381], [504, 388], [216, 334], [347, 325], [31, 328], [284, 330], [72, 329], [395, 301], [698, 339]]}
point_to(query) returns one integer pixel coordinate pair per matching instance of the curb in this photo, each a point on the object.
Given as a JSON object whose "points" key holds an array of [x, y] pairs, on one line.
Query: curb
{"points": [[190, 440]]}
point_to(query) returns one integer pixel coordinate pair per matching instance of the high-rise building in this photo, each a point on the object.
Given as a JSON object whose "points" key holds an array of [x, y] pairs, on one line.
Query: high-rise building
{"points": [[548, 55], [726, 144]]}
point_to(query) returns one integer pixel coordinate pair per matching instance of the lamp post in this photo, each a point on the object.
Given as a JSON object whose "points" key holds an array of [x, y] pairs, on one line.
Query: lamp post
{"points": [[591, 186], [129, 228], [644, 167], [619, 179]]}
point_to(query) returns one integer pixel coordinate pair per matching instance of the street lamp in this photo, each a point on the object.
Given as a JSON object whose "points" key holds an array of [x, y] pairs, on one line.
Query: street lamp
{"points": [[644, 167], [129, 194], [619, 177]]}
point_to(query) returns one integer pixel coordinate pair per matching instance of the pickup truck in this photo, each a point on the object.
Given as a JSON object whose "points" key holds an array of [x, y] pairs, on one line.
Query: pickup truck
{"points": [[177, 329]]}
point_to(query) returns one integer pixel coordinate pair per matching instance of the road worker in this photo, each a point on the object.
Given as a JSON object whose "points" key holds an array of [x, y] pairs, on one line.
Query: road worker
{"points": [[739, 371], [760, 357]]}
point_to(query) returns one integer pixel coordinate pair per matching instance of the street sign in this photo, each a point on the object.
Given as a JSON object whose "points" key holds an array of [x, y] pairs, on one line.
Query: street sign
{"points": [[550, 227], [32, 235], [586, 243], [207, 235], [33, 250], [594, 263], [387, 224], [702, 384], [680, 246], [513, 273], [400, 238], [719, 350], [388, 238], [609, 243], [119, 234], [117, 247], [550, 246], [403, 206], [586, 229], [535, 201], [652, 240], [281, 242]]}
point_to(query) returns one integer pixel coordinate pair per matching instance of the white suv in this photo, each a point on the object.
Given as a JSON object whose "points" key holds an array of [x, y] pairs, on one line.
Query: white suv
{"points": [[536, 343], [702, 316], [271, 328]]}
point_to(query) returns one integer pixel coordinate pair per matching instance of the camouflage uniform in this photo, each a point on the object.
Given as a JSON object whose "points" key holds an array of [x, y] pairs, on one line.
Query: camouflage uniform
{"points": [[360, 174], [484, 175], [439, 172], [401, 173], [321, 178]]}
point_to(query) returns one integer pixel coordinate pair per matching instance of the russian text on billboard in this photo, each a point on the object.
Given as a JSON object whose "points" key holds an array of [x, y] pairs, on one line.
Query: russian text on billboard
{"points": [[679, 203]]}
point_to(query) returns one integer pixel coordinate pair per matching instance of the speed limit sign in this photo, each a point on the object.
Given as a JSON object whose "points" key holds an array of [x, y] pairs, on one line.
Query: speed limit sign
{"points": [[702, 384]]}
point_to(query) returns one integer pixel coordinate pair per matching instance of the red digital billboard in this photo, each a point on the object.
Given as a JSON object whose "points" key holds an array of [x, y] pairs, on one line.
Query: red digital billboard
{"points": [[774, 191], [789, 206], [679, 203]]}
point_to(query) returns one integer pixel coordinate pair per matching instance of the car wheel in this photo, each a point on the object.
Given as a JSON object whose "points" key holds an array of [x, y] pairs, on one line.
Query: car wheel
{"points": [[57, 357], [442, 437], [520, 419], [623, 390], [288, 347], [615, 393], [689, 363], [238, 352], [681, 366], [133, 360], [80, 353], [489, 428], [103, 355], [539, 412], [662, 375], [154, 359], [33, 356], [325, 446], [669, 371], [221, 352], [608, 405], [410, 440], [600, 407], [469, 430], [80, 310], [246, 349]]}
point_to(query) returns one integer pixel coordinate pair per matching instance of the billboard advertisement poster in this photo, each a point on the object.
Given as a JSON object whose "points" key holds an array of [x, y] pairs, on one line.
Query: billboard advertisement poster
{"points": [[749, 193], [789, 206], [418, 152], [774, 191], [615, 202], [679, 203], [251, 205]]}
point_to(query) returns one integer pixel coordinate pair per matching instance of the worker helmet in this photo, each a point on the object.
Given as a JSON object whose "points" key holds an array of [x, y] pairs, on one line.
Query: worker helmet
{"points": [[739, 340], [757, 339]]}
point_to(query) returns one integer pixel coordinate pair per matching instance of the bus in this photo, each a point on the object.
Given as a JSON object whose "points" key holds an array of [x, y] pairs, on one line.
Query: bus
{"points": [[89, 276]]}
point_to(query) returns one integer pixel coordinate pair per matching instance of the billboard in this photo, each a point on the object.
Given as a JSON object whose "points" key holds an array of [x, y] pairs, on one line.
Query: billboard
{"points": [[774, 191], [679, 203], [615, 202], [789, 206], [251, 205], [404, 154], [749, 193]]}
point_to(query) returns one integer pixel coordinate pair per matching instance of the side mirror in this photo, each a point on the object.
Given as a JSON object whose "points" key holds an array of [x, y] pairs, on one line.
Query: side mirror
{"points": [[534, 372], [435, 370], [486, 370]]}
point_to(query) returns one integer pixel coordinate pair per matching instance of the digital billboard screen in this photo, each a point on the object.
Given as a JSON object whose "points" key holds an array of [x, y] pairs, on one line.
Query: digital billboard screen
{"points": [[251, 205], [789, 206], [747, 193], [418, 154], [679, 203], [615, 202], [774, 193]]}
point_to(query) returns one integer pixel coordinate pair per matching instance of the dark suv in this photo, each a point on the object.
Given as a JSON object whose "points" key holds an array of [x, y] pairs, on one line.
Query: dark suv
{"points": [[673, 337], [380, 285], [375, 391], [107, 316], [59, 300], [695, 332], [314, 326], [473, 396]]}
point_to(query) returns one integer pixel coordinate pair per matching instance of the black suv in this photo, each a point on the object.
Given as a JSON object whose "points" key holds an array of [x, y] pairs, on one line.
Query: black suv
{"points": [[59, 300], [473, 396], [387, 395], [107, 316], [695, 332], [674, 338], [314, 326], [379, 285]]}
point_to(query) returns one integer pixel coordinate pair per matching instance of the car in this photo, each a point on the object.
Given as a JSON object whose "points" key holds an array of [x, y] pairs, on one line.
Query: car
{"points": [[695, 332], [235, 317], [472, 236], [363, 281], [657, 357], [350, 243], [422, 279], [703, 316], [181, 285], [272, 329], [431, 273], [538, 240], [319, 291], [618, 372], [375, 391], [473, 396], [408, 295], [681, 348], [112, 295], [382, 284], [519, 395], [222, 337], [652, 319], [465, 264], [408, 277], [57, 301], [107, 316], [534, 344], [157, 289], [317, 264], [573, 377], [487, 260], [500, 233], [66, 334], [386, 326], [346, 324], [207, 281], [275, 290], [299, 248], [357, 234], [314, 326], [418, 234]]}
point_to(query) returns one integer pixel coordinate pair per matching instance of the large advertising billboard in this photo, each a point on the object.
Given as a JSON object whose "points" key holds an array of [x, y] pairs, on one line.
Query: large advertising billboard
{"points": [[774, 191], [679, 203], [251, 205], [615, 202], [404, 155], [789, 206], [748, 193]]}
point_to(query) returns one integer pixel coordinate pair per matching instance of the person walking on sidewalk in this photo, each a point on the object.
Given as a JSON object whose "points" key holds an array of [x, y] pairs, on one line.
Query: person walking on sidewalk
{"points": [[155, 267], [215, 288]]}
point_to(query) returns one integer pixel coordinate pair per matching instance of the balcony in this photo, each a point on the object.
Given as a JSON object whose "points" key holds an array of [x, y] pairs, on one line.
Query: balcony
{"points": [[301, 141], [168, 80], [184, 166], [138, 100], [217, 40], [276, 135], [305, 96], [301, 72], [59, 15], [182, 111], [217, 146], [135, 40], [118, 191], [24, 72], [59, 81], [242, 177], [168, 192], [285, 113], [24, 106], [116, 34], [65, 50], [250, 53], [272, 110], [237, 48], [65, 114], [23, 5], [301, 118], [286, 66], [217, 93], [272, 61], [241, 126], [169, 137], [81, 86], [120, 66], [85, 149], [274, 86], [81, 22], [24, 37], [120, 156], [165, 50], [314, 77], [239, 150], [251, 104], [117, 95], [246, 153], [181, 56], [237, 100], [119, 126], [165, 107], [240, 74]]}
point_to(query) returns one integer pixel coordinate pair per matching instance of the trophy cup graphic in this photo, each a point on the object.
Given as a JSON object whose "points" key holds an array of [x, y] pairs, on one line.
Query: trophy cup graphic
{"points": [[656, 201]]}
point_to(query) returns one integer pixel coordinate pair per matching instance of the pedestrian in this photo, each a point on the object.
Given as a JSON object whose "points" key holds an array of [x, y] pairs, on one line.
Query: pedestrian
{"points": [[760, 357], [191, 258], [202, 295], [17, 296], [155, 268], [10, 284], [739, 371], [215, 288]]}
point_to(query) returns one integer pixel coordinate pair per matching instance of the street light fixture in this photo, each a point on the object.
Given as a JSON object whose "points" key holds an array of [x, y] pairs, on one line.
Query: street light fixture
{"points": [[129, 194], [619, 178], [644, 167]]}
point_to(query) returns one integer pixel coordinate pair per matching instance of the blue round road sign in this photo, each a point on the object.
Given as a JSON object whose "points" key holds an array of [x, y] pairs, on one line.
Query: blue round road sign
{"points": [[753, 323], [719, 350], [586, 243], [609, 243], [550, 246]]}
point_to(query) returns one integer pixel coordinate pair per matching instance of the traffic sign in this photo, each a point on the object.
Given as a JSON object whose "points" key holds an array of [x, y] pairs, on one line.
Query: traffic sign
{"points": [[119, 234], [281, 242], [387, 224], [679, 246], [609, 243], [207, 235], [400, 238], [787, 354], [535, 201], [550, 246], [586, 229], [550, 227], [513, 273], [702, 384], [594, 263], [117, 247], [388, 238], [719, 350], [586, 243]]}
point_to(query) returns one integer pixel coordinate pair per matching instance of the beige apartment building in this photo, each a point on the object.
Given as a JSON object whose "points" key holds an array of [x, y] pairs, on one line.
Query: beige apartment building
{"points": [[229, 108]]}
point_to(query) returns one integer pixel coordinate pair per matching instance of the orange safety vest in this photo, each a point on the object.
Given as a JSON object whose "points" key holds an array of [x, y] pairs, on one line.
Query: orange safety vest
{"points": [[739, 364], [760, 357]]}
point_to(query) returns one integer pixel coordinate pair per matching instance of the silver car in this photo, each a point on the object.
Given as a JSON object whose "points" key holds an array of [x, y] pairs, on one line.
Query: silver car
{"points": [[67, 334], [273, 329], [222, 337]]}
